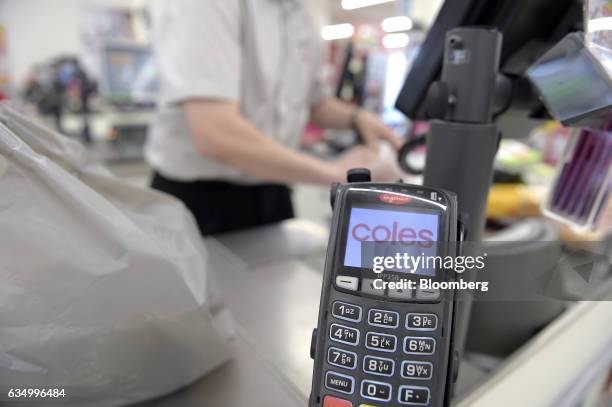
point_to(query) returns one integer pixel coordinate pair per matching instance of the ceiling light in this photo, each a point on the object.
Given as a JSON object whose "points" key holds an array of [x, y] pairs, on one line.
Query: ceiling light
{"points": [[366, 31], [399, 23], [337, 31], [398, 40], [353, 4]]}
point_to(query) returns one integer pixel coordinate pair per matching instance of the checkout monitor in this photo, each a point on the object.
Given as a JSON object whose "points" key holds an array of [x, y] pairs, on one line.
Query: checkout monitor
{"points": [[529, 28]]}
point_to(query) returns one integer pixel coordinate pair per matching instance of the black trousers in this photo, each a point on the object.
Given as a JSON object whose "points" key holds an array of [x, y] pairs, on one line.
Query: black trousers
{"points": [[220, 206]]}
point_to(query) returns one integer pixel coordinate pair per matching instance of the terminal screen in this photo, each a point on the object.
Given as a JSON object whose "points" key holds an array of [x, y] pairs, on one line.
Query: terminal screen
{"points": [[413, 233]]}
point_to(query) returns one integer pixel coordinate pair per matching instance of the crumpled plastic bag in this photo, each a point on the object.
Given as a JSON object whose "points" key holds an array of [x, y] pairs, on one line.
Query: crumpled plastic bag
{"points": [[104, 287]]}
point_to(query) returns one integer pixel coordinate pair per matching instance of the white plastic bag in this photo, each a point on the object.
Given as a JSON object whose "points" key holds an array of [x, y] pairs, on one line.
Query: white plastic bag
{"points": [[104, 290]]}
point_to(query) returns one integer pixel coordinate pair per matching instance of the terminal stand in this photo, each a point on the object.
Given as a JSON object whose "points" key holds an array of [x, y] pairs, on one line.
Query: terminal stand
{"points": [[463, 140]]}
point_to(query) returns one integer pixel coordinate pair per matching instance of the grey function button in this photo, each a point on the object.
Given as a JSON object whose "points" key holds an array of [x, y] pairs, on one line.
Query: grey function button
{"points": [[400, 294], [347, 282], [367, 287], [427, 294]]}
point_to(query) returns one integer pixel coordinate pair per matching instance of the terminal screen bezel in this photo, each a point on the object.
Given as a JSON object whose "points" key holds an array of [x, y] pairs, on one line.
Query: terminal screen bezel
{"points": [[369, 198]]}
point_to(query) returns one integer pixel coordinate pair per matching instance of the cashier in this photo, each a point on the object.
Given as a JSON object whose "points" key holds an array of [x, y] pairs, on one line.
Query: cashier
{"points": [[239, 81]]}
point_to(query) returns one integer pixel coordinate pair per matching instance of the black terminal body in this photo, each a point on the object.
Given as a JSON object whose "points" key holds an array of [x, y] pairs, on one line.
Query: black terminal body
{"points": [[385, 347]]}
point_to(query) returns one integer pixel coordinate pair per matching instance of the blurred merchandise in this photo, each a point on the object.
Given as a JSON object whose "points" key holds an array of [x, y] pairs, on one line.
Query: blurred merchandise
{"points": [[61, 86], [582, 187], [550, 139], [515, 156], [514, 201], [100, 25]]}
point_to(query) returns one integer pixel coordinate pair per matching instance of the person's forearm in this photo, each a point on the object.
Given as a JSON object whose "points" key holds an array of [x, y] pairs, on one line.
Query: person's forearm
{"points": [[335, 114], [332, 113], [221, 133]]}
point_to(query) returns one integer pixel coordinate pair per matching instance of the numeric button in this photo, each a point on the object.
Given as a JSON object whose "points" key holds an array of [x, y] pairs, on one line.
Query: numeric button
{"points": [[417, 370], [375, 390], [413, 395], [421, 322], [382, 318], [344, 334], [414, 345], [342, 358], [378, 366], [348, 312], [381, 342]]}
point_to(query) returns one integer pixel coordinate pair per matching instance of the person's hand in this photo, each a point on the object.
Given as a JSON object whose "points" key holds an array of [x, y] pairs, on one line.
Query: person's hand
{"points": [[356, 157], [386, 168], [374, 130]]}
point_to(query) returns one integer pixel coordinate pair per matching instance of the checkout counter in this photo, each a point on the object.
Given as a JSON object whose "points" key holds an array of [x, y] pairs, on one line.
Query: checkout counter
{"points": [[270, 278]]}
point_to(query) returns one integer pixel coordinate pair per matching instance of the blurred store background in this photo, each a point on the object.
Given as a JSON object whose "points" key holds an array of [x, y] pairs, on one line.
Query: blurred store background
{"points": [[86, 68]]}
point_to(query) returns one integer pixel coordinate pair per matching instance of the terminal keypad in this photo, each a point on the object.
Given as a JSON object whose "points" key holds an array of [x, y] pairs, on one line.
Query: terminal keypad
{"points": [[380, 356]]}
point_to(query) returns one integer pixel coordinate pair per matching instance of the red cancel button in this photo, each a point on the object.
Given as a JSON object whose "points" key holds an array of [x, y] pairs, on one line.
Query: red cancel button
{"points": [[396, 199], [330, 401]]}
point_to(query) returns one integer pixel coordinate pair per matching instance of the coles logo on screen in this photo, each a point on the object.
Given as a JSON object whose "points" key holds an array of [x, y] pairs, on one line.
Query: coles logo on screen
{"points": [[393, 232]]}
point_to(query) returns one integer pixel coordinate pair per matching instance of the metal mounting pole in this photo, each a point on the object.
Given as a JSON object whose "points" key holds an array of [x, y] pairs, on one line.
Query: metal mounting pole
{"points": [[463, 140]]}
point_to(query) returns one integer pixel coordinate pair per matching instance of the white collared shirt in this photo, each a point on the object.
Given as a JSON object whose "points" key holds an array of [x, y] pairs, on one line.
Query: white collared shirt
{"points": [[264, 54]]}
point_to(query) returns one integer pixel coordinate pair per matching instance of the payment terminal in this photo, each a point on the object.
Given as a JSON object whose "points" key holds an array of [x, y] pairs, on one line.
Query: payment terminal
{"points": [[380, 340]]}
